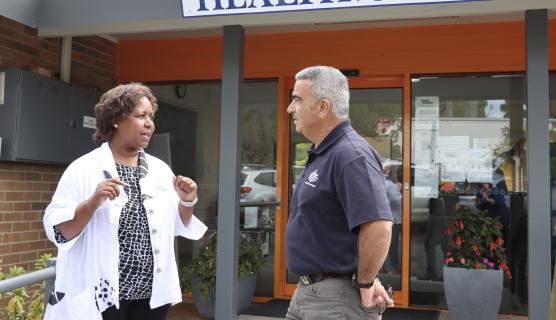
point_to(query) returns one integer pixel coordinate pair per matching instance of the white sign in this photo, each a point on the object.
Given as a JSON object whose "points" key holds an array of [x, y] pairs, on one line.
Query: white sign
{"points": [[89, 122], [251, 217], [426, 181], [425, 135], [427, 107], [203, 8], [479, 165], [452, 168]]}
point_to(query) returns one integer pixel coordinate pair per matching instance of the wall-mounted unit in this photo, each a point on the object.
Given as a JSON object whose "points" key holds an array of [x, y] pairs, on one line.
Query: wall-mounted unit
{"points": [[44, 120]]}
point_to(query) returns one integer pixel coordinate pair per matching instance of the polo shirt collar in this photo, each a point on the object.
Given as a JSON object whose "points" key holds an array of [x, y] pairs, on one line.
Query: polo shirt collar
{"points": [[332, 137]]}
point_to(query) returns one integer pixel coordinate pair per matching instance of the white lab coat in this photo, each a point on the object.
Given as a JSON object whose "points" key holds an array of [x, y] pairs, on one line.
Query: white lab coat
{"points": [[93, 256]]}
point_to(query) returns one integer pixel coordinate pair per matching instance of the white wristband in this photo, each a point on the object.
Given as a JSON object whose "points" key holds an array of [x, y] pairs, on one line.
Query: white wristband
{"points": [[189, 204]]}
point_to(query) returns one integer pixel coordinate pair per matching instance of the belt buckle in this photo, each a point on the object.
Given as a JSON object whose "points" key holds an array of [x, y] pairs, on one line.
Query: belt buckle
{"points": [[306, 280]]}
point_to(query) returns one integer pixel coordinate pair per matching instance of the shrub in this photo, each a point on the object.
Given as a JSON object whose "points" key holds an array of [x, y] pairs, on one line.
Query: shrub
{"points": [[16, 305], [204, 265]]}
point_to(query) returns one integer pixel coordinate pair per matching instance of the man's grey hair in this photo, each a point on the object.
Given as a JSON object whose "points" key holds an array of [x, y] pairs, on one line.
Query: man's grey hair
{"points": [[328, 83]]}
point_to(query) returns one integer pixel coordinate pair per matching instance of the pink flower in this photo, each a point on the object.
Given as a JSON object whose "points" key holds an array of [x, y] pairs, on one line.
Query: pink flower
{"points": [[462, 261], [449, 260], [485, 260], [491, 264]]}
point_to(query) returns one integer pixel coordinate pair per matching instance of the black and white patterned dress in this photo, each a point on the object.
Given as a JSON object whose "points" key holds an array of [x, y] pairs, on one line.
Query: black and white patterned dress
{"points": [[136, 259]]}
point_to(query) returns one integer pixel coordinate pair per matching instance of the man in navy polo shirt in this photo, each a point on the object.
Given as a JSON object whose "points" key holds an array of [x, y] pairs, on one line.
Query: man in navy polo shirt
{"points": [[340, 222]]}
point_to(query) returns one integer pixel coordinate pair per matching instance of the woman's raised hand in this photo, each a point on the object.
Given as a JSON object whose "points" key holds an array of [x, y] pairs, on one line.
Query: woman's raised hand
{"points": [[106, 189], [185, 187]]}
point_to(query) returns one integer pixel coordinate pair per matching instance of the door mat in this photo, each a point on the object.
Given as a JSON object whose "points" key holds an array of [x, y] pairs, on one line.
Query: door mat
{"points": [[278, 308]]}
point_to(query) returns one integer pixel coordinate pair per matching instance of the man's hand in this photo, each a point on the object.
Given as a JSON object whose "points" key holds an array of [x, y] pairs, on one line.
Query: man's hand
{"points": [[375, 295]]}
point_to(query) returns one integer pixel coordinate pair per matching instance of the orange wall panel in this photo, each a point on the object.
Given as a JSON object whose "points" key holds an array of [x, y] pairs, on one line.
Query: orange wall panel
{"points": [[494, 47]]}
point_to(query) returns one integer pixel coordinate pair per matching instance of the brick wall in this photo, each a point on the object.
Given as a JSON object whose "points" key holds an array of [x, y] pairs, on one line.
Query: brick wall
{"points": [[26, 189], [92, 63]]}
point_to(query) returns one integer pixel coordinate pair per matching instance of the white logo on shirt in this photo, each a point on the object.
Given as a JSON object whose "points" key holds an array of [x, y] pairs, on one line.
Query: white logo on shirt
{"points": [[313, 179]]}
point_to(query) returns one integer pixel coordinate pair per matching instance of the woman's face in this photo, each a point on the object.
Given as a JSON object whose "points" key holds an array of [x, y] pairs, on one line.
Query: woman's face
{"points": [[136, 128]]}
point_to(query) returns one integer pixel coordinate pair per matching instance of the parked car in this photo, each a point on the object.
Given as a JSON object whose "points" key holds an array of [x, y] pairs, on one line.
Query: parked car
{"points": [[258, 183]]}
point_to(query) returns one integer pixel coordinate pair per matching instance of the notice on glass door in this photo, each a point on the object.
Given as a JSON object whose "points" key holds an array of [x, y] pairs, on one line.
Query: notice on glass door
{"points": [[479, 165], [427, 107], [452, 168]]}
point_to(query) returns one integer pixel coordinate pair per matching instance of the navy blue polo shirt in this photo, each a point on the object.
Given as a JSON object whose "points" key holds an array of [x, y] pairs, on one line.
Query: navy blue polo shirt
{"points": [[341, 187]]}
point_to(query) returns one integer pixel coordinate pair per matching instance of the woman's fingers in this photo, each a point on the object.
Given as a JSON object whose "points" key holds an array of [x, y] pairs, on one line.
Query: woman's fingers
{"points": [[109, 188], [185, 184]]}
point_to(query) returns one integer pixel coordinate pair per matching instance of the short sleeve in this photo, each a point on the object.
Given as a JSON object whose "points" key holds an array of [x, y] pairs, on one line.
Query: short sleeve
{"points": [[194, 230], [362, 193]]}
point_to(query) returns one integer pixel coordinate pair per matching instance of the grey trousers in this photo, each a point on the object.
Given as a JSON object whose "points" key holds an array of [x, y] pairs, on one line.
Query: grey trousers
{"points": [[329, 299]]}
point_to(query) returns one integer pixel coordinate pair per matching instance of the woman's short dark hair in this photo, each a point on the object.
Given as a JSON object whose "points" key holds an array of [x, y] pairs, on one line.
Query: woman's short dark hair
{"points": [[115, 104]]}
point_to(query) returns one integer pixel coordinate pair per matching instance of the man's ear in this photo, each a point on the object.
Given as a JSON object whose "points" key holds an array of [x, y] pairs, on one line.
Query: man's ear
{"points": [[324, 107]]}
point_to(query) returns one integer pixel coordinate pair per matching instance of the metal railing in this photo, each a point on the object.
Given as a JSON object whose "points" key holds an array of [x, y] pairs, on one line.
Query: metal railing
{"points": [[260, 204], [47, 275]]}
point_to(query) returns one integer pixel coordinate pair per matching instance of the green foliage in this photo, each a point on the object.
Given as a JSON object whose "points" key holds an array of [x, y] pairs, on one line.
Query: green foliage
{"points": [[204, 266], [16, 305], [36, 307], [476, 242]]}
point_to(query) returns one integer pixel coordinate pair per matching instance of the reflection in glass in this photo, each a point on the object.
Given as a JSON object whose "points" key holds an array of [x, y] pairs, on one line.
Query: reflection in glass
{"points": [[552, 143], [468, 150], [258, 158]]}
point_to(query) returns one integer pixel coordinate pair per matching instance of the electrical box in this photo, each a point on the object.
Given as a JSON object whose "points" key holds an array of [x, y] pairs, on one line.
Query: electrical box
{"points": [[82, 121], [39, 120]]}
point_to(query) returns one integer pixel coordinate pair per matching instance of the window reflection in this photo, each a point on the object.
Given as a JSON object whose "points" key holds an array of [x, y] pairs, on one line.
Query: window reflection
{"points": [[552, 144], [201, 107], [468, 150]]}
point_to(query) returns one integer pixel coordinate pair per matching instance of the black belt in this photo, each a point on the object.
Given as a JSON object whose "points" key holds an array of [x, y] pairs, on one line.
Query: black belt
{"points": [[313, 278]]}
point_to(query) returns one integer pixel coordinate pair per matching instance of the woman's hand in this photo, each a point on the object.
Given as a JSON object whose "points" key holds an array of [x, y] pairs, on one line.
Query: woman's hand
{"points": [[185, 187], [107, 189]]}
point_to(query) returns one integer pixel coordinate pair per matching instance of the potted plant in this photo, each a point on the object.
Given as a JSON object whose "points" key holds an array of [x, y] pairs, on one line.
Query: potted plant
{"points": [[475, 265], [200, 276]]}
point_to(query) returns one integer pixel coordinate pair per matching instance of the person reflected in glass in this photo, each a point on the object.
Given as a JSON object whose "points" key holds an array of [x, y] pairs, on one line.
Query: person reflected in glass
{"points": [[114, 217], [440, 210], [394, 194], [492, 199]]}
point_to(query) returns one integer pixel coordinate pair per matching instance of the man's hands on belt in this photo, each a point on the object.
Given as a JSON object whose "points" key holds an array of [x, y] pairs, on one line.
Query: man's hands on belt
{"points": [[375, 296]]}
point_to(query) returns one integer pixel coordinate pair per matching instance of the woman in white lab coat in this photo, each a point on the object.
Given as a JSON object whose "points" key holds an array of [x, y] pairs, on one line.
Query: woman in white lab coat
{"points": [[114, 216]]}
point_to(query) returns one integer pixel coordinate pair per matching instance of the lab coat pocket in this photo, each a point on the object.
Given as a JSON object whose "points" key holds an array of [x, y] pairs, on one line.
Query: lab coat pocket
{"points": [[81, 306], [113, 209]]}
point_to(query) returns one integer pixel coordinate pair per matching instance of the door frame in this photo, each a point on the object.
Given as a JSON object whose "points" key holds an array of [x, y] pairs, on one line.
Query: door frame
{"points": [[282, 289]]}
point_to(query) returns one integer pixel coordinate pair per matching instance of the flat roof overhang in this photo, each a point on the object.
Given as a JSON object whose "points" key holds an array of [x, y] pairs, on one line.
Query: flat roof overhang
{"points": [[163, 19]]}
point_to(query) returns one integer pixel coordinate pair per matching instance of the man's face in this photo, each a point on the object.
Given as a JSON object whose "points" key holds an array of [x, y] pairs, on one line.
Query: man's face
{"points": [[304, 108]]}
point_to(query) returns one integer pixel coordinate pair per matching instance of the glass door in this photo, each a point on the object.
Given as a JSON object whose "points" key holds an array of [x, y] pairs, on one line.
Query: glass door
{"points": [[376, 113]]}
